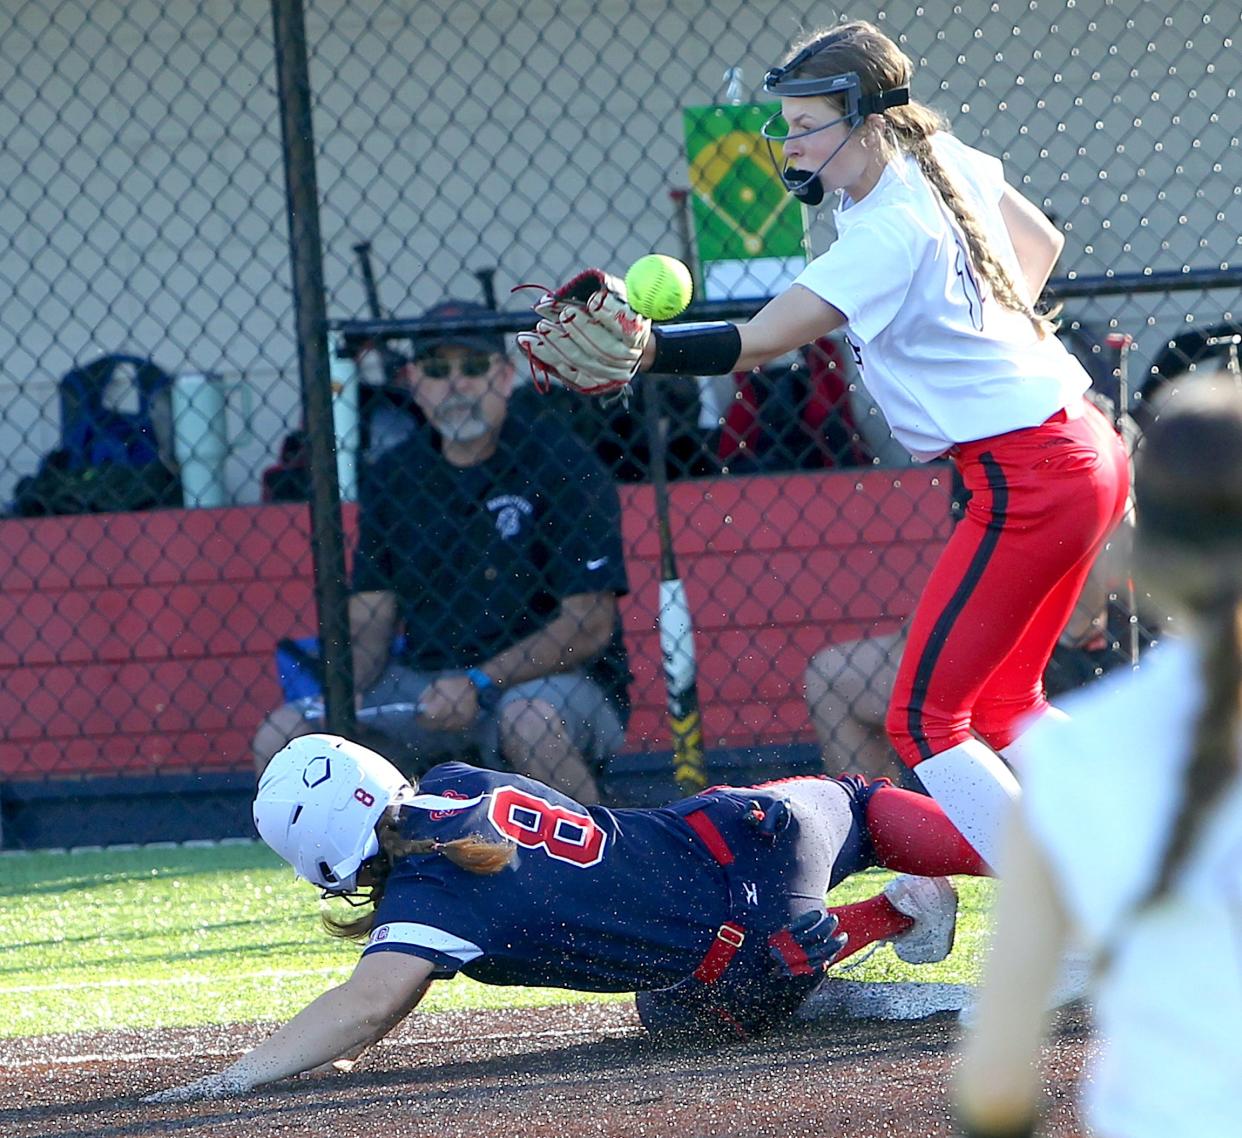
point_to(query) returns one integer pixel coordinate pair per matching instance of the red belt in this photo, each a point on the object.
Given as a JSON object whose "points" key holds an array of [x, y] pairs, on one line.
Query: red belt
{"points": [[730, 936], [712, 838]]}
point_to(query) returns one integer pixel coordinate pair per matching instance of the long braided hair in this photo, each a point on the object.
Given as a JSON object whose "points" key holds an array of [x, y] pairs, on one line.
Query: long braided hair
{"points": [[881, 65], [1189, 549], [475, 854]]}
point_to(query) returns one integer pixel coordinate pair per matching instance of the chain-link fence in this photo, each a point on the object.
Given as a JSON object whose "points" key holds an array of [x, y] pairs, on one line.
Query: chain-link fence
{"points": [[159, 600]]}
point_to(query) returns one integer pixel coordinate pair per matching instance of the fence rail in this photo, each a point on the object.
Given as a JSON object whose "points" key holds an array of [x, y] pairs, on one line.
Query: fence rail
{"points": [[360, 329]]}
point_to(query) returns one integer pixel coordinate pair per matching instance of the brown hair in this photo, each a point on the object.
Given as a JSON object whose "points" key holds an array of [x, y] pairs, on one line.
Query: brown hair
{"points": [[475, 854], [881, 65], [1189, 545]]}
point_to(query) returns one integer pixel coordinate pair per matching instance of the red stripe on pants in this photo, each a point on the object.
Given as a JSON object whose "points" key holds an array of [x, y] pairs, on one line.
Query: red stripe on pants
{"points": [[1043, 501]]}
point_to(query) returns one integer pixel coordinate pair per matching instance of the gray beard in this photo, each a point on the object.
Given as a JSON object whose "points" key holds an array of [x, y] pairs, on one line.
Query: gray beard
{"points": [[460, 421]]}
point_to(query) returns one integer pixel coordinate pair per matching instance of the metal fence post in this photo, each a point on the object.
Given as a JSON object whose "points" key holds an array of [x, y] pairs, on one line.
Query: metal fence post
{"points": [[306, 258]]}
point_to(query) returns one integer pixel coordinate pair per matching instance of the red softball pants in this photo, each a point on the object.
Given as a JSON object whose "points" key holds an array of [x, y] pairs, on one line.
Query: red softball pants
{"points": [[1043, 502]]}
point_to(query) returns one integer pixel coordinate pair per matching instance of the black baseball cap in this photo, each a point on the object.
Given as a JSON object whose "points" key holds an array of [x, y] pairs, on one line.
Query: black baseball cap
{"points": [[427, 341]]}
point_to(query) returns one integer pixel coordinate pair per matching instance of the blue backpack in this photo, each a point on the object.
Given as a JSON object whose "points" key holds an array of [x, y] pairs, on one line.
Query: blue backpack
{"points": [[109, 459], [92, 433]]}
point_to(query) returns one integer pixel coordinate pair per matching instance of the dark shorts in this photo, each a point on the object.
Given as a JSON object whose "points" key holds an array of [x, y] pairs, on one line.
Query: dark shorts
{"points": [[390, 707]]}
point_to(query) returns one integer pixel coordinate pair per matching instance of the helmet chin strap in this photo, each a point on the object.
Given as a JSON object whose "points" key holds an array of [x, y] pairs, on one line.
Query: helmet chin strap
{"points": [[437, 802], [807, 187]]}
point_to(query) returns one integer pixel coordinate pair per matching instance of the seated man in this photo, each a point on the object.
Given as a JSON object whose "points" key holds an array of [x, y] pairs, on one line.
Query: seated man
{"points": [[491, 538]]}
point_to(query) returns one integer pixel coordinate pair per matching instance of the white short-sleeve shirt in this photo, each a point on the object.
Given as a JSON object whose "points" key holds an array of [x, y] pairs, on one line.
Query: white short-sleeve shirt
{"points": [[1100, 792], [945, 362]]}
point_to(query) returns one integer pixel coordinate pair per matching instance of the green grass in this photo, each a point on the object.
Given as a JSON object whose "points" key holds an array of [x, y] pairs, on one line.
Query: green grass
{"points": [[190, 936]]}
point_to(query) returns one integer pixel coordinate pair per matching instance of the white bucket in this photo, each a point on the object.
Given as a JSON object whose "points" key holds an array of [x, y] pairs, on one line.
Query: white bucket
{"points": [[200, 438]]}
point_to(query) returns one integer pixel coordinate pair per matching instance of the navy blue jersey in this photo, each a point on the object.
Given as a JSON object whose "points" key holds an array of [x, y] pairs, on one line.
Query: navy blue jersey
{"points": [[481, 557], [597, 899]]}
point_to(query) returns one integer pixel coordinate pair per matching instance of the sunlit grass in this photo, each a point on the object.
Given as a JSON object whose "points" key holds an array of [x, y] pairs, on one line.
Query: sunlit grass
{"points": [[189, 936]]}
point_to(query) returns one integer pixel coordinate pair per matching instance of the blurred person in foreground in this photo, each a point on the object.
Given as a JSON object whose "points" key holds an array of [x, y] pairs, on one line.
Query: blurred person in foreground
{"points": [[491, 538], [1130, 834]]}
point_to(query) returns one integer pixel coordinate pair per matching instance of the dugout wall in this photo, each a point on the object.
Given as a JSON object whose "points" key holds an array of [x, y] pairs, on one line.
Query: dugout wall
{"points": [[477, 146]]}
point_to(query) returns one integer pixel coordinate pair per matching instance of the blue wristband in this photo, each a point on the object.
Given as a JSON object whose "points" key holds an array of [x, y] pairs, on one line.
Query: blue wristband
{"points": [[485, 688]]}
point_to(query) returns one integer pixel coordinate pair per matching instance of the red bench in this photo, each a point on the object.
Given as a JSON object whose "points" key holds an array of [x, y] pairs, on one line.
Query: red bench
{"points": [[775, 568], [142, 644]]}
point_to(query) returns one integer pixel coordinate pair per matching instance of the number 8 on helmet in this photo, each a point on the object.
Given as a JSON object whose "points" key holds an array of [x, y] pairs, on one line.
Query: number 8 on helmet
{"points": [[318, 803]]}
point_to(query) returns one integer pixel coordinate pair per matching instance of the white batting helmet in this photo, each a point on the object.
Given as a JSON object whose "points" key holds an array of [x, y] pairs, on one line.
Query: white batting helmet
{"points": [[317, 805]]}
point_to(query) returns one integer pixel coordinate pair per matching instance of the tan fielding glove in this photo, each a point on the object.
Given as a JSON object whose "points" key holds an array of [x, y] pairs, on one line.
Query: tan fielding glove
{"points": [[588, 337]]}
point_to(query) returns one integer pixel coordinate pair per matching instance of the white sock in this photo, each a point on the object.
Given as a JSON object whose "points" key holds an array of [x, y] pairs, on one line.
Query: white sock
{"points": [[975, 789], [1017, 754]]}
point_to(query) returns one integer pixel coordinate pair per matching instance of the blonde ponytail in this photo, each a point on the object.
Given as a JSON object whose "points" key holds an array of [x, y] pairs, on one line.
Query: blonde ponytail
{"points": [[474, 853], [912, 127]]}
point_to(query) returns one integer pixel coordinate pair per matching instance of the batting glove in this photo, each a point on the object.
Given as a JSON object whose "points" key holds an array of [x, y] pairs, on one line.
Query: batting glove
{"points": [[769, 821], [588, 337], [808, 946]]}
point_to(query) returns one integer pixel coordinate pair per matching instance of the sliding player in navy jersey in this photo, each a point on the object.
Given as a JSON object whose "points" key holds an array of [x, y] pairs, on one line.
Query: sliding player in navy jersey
{"points": [[711, 909]]}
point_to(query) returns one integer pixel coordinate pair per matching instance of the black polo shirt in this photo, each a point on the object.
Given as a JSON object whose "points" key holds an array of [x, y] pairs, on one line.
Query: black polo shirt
{"points": [[480, 557]]}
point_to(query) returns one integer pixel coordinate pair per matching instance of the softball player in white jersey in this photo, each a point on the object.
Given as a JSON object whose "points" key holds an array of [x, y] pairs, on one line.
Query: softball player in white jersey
{"points": [[934, 274], [1131, 833]]}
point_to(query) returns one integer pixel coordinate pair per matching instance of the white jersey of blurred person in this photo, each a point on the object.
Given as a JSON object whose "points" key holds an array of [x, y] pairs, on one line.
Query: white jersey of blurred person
{"points": [[1130, 833]]}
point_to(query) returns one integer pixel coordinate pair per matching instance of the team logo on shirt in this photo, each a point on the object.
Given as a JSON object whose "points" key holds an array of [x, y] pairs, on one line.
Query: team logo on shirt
{"points": [[855, 351], [509, 510], [440, 815], [379, 934]]}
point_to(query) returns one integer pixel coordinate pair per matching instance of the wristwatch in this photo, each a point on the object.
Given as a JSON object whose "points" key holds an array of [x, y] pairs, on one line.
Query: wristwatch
{"points": [[486, 690]]}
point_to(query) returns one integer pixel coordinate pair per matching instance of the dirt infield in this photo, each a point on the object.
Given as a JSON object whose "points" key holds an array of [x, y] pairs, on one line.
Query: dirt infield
{"points": [[565, 1072]]}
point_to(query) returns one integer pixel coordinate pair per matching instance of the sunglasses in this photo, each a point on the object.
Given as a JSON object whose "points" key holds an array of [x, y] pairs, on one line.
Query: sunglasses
{"points": [[472, 366]]}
